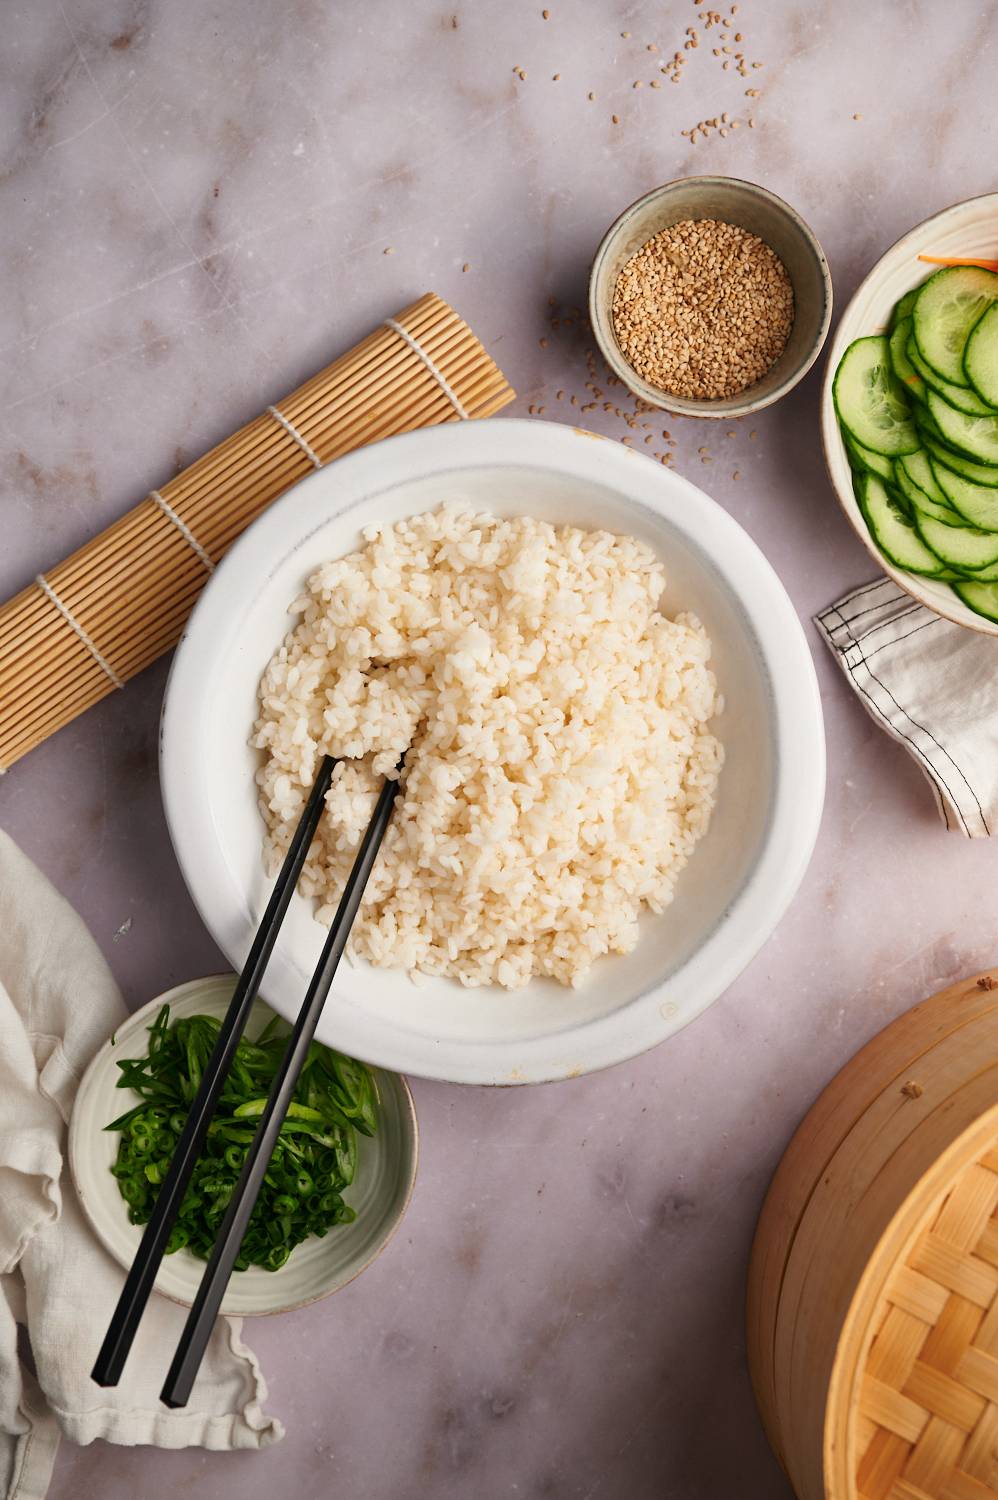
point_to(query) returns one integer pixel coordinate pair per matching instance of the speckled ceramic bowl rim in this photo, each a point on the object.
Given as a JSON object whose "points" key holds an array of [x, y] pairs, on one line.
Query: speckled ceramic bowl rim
{"points": [[955, 612], [97, 1061], [676, 404]]}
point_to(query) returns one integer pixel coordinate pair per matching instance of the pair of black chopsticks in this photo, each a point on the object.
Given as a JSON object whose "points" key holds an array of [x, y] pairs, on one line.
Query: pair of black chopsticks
{"points": [[139, 1282]]}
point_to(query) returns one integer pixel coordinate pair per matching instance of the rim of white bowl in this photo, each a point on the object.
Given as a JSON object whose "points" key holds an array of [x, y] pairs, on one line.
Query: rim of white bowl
{"points": [[910, 244], [799, 744]]}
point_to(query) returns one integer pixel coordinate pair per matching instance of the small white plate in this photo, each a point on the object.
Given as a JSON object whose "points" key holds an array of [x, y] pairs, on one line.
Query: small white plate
{"points": [[969, 228], [386, 1172], [742, 874]]}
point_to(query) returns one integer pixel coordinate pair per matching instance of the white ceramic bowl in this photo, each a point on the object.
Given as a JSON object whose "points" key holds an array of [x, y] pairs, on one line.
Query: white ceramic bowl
{"points": [[380, 1192], [969, 228], [738, 882]]}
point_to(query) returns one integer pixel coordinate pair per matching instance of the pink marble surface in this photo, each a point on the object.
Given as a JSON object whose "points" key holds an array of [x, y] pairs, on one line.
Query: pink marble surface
{"points": [[195, 199]]}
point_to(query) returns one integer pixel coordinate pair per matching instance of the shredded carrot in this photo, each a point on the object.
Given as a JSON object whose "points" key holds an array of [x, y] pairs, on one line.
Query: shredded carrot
{"points": [[960, 260]]}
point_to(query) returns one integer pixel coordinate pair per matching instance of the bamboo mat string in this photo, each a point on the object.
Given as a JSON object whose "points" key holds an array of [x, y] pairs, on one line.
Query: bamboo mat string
{"points": [[126, 593], [75, 625], [292, 431], [434, 370], [183, 528]]}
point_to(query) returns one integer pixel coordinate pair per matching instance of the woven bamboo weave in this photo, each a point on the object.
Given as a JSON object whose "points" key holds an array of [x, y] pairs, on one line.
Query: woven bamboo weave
{"points": [[927, 1423], [81, 630]]}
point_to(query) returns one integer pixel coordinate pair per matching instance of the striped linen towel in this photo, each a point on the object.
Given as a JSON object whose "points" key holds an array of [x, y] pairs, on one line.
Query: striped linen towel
{"points": [[933, 686]]}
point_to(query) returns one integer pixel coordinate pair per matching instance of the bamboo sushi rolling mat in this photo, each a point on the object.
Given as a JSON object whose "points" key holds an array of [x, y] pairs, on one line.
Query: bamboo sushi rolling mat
{"points": [[88, 624]]}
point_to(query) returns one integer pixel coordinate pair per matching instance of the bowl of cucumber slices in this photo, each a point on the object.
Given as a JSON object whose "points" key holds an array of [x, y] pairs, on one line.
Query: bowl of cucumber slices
{"points": [[910, 413]]}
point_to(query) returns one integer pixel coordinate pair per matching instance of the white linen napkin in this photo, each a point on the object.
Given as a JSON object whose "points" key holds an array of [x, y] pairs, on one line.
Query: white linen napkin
{"points": [[58, 1004], [933, 686]]}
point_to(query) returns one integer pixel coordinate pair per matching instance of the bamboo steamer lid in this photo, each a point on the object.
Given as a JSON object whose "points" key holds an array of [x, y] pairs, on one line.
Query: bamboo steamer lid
{"points": [[873, 1287]]}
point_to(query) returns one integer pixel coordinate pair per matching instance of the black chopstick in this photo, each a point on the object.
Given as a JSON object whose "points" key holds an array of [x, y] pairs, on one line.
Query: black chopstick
{"points": [[201, 1318], [140, 1279]]}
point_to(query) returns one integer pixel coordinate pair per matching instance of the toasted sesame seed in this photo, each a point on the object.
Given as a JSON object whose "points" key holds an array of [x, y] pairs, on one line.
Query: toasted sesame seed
{"points": [[545, 15], [737, 474], [663, 294], [555, 77], [466, 266], [543, 343], [625, 34], [388, 250], [591, 97], [751, 124], [752, 93], [651, 47], [615, 119], [857, 117], [656, 83], [559, 395], [636, 84], [753, 434]]}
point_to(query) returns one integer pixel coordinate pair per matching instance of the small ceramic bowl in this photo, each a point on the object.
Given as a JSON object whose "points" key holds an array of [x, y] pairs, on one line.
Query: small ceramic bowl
{"points": [[750, 207], [380, 1192]]}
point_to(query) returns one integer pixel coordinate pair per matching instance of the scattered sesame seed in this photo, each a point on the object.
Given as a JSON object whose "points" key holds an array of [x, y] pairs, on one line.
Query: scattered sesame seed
{"points": [[703, 450], [543, 343], [466, 266], [857, 117], [388, 250], [575, 400], [559, 395], [521, 74], [545, 15], [752, 93], [751, 124], [656, 83], [615, 119], [724, 119], [753, 434], [625, 34], [724, 133], [637, 83], [555, 77], [737, 474], [592, 96], [707, 460], [757, 65]]}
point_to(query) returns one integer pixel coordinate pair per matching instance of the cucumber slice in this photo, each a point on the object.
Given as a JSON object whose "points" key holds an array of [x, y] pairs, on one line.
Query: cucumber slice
{"points": [[975, 436], [892, 531], [982, 598], [958, 546], [870, 402], [977, 503], [919, 500], [901, 363], [866, 461], [919, 471], [960, 396], [945, 310], [904, 305], [983, 474], [980, 358]]}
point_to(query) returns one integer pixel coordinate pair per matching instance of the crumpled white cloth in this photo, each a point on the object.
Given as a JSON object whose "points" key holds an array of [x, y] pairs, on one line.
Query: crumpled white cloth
{"points": [[933, 686], [58, 1004]]}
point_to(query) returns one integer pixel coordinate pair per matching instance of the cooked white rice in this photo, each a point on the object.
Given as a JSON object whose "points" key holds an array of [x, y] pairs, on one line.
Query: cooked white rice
{"points": [[560, 771]]}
